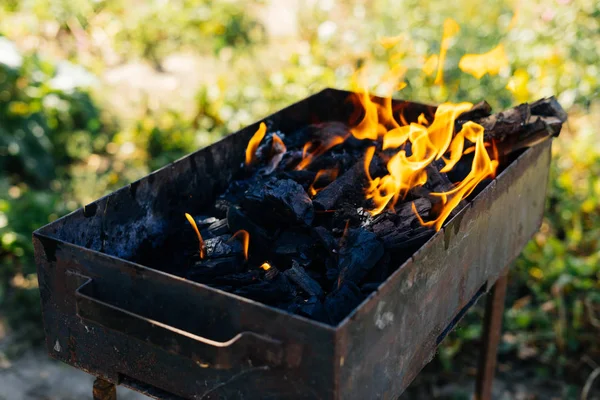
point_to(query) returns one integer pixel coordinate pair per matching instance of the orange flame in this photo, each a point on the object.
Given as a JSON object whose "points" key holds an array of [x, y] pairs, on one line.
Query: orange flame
{"points": [[245, 236], [200, 240], [312, 151], [375, 119], [254, 142], [428, 143], [328, 175], [265, 266], [481, 168], [345, 233], [278, 146]]}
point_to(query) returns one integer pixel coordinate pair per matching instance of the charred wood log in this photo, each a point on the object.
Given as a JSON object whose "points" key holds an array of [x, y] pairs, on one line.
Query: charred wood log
{"points": [[311, 308], [279, 200], [402, 229], [259, 237], [237, 280], [220, 246], [340, 302], [204, 271], [298, 275], [522, 126], [275, 288], [360, 251], [479, 110], [354, 178]]}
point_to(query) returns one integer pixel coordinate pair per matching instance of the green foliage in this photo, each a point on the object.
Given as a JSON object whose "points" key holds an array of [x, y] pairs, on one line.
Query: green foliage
{"points": [[57, 150]]}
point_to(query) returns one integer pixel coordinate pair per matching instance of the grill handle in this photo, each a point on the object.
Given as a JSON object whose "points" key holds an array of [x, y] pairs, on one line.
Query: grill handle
{"points": [[260, 350]]}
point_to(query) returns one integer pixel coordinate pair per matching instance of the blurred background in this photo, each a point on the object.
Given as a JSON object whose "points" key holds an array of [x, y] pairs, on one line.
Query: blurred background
{"points": [[97, 93]]}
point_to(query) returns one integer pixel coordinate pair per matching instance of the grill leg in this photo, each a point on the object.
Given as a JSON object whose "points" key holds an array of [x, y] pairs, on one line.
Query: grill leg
{"points": [[104, 390], [492, 329]]}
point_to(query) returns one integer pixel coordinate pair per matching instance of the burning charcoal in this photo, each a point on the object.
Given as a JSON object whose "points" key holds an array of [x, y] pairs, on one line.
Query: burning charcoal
{"points": [[298, 275], [274, 289], [281, 201], [479, 110], [220, 208], [303, 177], [348, 214], [237, 220], [359, 253], [271, 152], [292, 242], [205, 270], [322, 131], [403, 229], [339, 303], [217, 228], [523, 126], [222, 246], [327, 198], [203, 221], [236, 190], [313, 308], [238, 280], [325, 238]]}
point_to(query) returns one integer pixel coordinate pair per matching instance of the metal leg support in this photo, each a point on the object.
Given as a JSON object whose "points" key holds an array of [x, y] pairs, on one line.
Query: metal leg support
{"points": [[104, 390], [492, 330]]}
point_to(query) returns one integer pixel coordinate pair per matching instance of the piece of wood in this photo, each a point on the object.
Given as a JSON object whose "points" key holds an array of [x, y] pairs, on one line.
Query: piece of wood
{"points": [[279, 200], [340, 302], [522, 126], [327, 198], [402, 229], [298, 275], [222, 246], [360, 251]]}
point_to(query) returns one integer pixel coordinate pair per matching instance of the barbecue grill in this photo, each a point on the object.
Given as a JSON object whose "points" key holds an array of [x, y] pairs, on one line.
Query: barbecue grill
{"points": [[114, 306]]}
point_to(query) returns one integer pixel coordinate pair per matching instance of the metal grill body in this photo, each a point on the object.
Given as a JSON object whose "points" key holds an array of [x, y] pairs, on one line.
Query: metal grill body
{"points": [[113, 306]]}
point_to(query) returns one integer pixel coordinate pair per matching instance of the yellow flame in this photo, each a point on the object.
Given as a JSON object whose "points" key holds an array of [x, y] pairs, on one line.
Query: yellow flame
{"points": [[428, 143], [329, 175], [481, 168], [245, 237], [491, 62], [200, 240], [254, 142], [265, 266], [451, 28], [312, 150]]}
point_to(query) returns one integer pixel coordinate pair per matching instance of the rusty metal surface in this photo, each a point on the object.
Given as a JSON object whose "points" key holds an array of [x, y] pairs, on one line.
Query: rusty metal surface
{"points": [[104, 390], [128, 320], [492, 329]]}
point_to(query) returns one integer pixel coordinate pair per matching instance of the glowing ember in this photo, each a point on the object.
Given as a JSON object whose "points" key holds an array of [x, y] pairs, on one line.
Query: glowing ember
{"points": [[323, 176], [245, 237], [265, 266], [491, 62], [254, 142], [202, 249]]}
